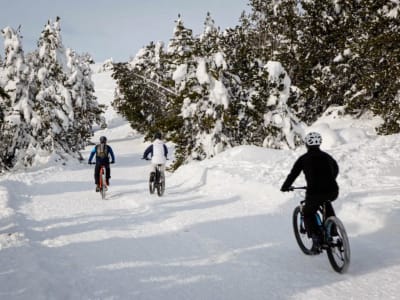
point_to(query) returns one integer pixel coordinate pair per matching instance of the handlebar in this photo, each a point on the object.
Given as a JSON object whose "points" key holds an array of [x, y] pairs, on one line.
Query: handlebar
{"points": [[292, 188]]}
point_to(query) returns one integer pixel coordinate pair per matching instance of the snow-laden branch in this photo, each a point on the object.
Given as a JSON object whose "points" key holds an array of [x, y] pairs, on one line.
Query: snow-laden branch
{"points": [[156, 84]]}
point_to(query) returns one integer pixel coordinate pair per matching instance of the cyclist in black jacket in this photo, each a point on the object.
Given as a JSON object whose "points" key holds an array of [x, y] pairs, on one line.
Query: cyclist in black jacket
{"points": [[320, 171]]}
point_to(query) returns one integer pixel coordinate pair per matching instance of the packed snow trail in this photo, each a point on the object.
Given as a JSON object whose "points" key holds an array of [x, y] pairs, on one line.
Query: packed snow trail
{"points": [[221, 231]]}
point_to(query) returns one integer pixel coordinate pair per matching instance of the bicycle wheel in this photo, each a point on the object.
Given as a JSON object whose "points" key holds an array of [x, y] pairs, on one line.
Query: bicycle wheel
{"points": [[338, 245], [161, 186], [103, 187], [305, 243], [152, 183]]}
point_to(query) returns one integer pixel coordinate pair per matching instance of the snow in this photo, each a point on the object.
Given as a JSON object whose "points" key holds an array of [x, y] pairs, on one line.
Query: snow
{"points": [[220, 61], [221, 231], [201, 71], [219, 94], [179, 73]]}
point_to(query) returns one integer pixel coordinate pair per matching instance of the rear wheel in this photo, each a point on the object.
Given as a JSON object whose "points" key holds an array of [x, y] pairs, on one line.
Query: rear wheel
{"points": [[152, 183], [338, 245], [103, 187], [161, 186], [305, 243]]}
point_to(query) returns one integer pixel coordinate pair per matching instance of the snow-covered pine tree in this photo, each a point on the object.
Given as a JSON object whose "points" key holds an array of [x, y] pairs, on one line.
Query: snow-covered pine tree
{"points": [[243, 81], [17, 106], [85, 109], [373, 62], [54, 104], [180, 69], [330, 34], [206, 98], [283, 129], [140, 94]]}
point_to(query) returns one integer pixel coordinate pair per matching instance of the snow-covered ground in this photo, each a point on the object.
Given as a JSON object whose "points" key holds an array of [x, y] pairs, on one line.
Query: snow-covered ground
{"points": [[221, 231]]}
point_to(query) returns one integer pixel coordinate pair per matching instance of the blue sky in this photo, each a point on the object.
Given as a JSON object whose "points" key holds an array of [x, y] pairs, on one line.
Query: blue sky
{"points": [[114, 28]]}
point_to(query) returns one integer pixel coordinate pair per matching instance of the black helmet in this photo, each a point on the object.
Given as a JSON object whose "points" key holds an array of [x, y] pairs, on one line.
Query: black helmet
{"points": [[158, 136], [103, 139]]}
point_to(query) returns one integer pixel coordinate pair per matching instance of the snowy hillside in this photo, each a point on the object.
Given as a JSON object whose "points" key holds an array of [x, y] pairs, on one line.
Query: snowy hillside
{"points": [[221, 231]]}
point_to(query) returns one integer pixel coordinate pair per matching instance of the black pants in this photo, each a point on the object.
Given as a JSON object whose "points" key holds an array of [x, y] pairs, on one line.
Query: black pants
{"points": [[313, 202], [97, 172]]}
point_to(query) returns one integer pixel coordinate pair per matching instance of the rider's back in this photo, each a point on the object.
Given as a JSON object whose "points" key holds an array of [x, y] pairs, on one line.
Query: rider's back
{"points": [[320, 170], [158, 152]]}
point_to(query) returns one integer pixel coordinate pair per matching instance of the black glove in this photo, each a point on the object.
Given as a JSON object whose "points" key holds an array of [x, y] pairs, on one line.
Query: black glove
{"points": [[285, 189]]}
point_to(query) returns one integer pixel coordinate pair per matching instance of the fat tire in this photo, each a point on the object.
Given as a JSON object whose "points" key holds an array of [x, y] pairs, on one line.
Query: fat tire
{"points": [[151, 185], [338, 249], [103, 186], [161, 187], [302, 238]]}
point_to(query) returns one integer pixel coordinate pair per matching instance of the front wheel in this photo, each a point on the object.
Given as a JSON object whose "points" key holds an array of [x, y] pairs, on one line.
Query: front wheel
{"points": [[338, 245], [305, 243]]}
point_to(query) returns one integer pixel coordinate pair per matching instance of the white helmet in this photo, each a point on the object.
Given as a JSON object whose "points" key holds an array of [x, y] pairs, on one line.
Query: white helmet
{"points": [[313, 139]]}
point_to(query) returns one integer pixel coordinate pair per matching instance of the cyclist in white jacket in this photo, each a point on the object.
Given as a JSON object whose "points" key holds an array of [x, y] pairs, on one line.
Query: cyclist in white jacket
{"points": [[159, 153]]}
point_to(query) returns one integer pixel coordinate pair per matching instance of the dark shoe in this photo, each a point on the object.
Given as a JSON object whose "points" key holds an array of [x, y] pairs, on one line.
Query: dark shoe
{"points": [[97, 188], [316, 247]]}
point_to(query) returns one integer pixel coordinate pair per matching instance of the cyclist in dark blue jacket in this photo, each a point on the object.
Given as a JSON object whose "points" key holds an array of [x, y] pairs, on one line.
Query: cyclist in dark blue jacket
{"points": [[103, 153]]}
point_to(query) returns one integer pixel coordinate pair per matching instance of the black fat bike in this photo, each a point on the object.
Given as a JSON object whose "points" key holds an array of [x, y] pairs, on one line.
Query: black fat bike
{"points": [[334, 237], [157, 181]]}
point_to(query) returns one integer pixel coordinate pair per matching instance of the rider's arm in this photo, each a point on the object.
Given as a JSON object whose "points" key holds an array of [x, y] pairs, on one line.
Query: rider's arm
{"points": [[149, 150], [296, 170], [110, 150], [92, 154]]}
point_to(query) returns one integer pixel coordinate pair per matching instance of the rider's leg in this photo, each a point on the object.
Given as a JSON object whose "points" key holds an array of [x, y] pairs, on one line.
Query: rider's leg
{"points": [[310, 221], [96, 174], [108, 174], [153, 172], [329, 208], [163, 171]]}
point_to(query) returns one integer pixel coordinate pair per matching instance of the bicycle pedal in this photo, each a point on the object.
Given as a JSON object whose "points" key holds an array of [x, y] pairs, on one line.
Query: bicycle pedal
{"points": [[324, 246]]}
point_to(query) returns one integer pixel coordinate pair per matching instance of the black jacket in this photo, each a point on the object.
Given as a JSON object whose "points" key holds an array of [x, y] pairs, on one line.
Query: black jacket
{"points": [[320, 171]]}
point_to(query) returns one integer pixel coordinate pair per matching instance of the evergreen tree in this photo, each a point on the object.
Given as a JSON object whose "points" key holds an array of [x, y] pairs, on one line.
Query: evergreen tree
{"points": [[374, 64], [202, 109], [141, 95], [283, 129], [180, 68], [17, 106], [85, 110], [54, 102]]}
